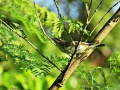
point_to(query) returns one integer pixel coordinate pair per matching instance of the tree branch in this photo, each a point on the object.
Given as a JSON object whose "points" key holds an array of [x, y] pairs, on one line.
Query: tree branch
{"points": [[75, 62]]}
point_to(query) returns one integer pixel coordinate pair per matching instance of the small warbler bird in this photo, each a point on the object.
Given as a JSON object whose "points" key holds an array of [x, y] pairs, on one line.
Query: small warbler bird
{"points": [[69, 46]]}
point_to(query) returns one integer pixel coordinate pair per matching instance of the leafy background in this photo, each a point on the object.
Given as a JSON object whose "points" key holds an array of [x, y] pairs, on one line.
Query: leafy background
{"points": [[14, 76]]}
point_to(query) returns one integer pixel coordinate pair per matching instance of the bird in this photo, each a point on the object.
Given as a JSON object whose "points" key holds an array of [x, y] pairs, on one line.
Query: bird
{"points": [[69, 46]]}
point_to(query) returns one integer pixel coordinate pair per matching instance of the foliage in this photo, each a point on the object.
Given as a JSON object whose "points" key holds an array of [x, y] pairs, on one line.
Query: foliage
{"points": [[21, 56], [60, 61], [28, 17], [72, 26], [13, 48], [13, 79], [90, 77], [114, 60]]}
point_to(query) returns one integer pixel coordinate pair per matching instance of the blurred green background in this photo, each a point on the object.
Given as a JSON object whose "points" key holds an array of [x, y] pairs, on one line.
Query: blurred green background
{"points": [[14, 78]]}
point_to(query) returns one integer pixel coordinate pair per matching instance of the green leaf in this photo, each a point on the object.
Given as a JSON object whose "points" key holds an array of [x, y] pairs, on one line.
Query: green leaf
{"points": [[114, 60]]}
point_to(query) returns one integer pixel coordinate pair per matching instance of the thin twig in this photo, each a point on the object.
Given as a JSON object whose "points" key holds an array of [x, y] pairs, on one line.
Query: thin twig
{"points": [[57, 9], [30, 45], [103, 17], [95, 11], [107, 27], [87, 21], [62, 19], [90, 5], [88, 10], [40, 24]]}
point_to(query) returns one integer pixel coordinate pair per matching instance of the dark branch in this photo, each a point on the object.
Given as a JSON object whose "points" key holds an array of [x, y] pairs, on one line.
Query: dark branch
{"points": [[57, 9]]}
